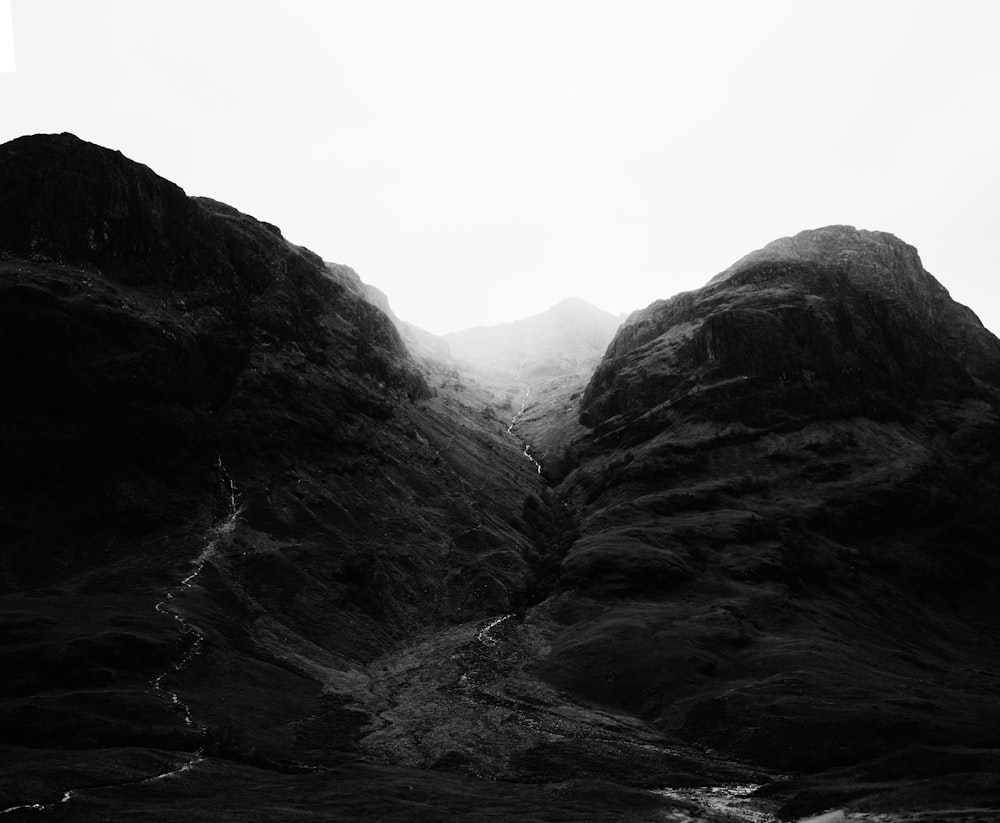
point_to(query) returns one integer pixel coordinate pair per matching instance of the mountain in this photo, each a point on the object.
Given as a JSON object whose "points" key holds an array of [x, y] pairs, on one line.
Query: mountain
{"points": [[227, 488], [428, 349], [270, 553], [570, 334], [833, 316], [787, 513]]}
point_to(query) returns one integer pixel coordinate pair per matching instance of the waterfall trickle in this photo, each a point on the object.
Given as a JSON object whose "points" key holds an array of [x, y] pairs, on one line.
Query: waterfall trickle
{"points": [[217, 535], [514, 419]]}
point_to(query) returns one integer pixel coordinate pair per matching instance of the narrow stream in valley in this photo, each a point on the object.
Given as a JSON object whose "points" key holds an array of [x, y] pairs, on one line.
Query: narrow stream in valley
{"points": [[167, 606], [737, 803], [514, 419], [484, 636], [219, 533], [733, 801]]}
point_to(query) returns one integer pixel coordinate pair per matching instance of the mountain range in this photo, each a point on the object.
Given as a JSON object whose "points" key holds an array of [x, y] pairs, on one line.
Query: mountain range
{"points": [[270, 552]]}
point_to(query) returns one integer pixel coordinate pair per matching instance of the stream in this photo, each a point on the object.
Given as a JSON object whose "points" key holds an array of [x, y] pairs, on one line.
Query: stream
{"points": [[729, 802], [513, 421], [216, 535], [484, 635], [220, 532], [737, 803]]}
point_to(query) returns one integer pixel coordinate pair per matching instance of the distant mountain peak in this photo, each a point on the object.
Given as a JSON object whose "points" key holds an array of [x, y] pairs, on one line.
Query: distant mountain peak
{"points": [[571, 331], [573, 303]]}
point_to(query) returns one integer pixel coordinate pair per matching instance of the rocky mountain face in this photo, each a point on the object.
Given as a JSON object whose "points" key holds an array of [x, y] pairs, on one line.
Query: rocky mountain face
{"points": [[270, 552], [788, 518], [839, 320]]}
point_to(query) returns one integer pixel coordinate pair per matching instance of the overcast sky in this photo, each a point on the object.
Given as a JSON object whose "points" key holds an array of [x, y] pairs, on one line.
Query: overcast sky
{"points": [[479, 161]]}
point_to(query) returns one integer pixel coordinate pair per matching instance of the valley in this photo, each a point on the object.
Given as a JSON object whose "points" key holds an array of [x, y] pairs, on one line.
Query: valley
{"points": [[271, 553]]}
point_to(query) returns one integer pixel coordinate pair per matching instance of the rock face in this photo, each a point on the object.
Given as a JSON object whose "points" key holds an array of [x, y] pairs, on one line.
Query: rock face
{"points": [[836, 321], [787, 545]]}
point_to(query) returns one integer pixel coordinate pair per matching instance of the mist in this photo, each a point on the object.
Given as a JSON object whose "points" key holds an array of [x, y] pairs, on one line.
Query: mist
{"points": [[479, 163]]}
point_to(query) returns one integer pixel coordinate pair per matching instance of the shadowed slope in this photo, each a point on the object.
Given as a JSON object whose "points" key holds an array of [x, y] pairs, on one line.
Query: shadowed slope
{"points": [[154, 349], [787, 547]]}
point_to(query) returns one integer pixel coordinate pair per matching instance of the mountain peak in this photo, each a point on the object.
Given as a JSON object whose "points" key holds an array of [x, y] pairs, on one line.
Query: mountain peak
{"points": [[832, 318], [879, 264], [828, 243], [880, 257], [574, 303], [572, 330]]}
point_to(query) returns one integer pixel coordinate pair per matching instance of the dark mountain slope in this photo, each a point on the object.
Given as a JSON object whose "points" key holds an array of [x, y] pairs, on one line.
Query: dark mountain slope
{"points": [[788, 524], [145, 326], [860, 330], [427, 349], [160, 353]]}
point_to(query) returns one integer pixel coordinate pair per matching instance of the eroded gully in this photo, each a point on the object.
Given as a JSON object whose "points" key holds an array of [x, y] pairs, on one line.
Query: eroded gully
{"points": [[484, 635], [514, 419], [216, 536], [510, 430]]}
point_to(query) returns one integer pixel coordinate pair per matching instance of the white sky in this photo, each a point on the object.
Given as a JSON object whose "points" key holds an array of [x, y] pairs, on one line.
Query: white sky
{"points": [[479, 161]]}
